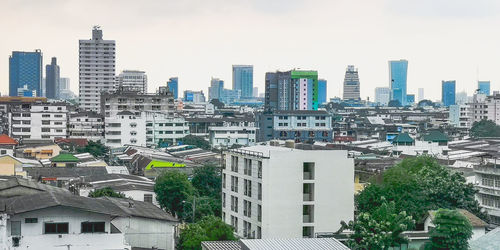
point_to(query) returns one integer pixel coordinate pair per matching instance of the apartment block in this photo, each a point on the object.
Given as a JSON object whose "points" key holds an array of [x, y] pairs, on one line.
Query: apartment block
{"points": [[283, 192], [124, 100], [87, 124], [38, 120]]}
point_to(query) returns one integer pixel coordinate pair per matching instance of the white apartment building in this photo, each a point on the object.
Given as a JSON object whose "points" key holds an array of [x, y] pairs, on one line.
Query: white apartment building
{"points": [[459, 116], [382, 95], [96, 69], [88, 125], [124, 100], [147, 129], [478, 109], [38, 121], [488, 182], [243, 133], [493, 108], [133, 80], [282, 192]]}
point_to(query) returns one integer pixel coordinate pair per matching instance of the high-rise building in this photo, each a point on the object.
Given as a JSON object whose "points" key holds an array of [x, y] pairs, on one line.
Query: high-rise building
{"points": [[132, 80], [322, 91], [25, 68], [398, 73], [421, 94], [255, 92], [194, 96], [173, 86], [243, 80], [216, 88], [382, 96], [96, 69], [448, 93], [410, 99], [291, 90], [461, 98], [52, 79], [65, 92], [484, 87], [351, 84]]}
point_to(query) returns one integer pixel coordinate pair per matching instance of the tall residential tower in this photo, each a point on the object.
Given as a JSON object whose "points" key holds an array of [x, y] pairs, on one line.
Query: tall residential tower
{"points": [[132, 80], [243, 80], [96, 69], [291, 90]]}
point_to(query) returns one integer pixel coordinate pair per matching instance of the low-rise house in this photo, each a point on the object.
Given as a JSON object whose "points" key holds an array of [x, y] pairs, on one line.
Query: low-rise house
{"points": [[478, 225], [433, 144], [489, 241], [15, 186], [10, 165], [50, 220], [37, 149], [63, 177], [7, 145], [64, 160]]}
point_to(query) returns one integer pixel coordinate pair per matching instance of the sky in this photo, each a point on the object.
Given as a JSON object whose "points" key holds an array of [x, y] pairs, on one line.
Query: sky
{"points": [[199, 39]]}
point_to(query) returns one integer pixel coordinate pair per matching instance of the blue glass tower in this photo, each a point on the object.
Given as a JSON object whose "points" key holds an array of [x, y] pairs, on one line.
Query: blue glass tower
{"points": [[25, 68], [321, 91], [484, 87], [173, 86], [448, 93], [398, 72], [410, 99], [243, 80]]}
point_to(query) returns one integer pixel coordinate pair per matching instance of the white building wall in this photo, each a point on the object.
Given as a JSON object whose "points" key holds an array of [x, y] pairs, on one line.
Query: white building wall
{"points": [[147, 233]]}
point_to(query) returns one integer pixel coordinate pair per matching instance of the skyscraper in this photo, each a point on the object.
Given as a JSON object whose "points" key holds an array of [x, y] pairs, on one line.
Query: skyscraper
{"points": [[64, 89], [421, 94], [243, 80], [173, 86], [132, 80], [291, 90], [410, 99], [448, 93], [25, 69], [382, 96], [484, 87], [96, 69], [322, 91], [215, 91], [398, 73], [351, 84], [255, 92], [52, 79]]}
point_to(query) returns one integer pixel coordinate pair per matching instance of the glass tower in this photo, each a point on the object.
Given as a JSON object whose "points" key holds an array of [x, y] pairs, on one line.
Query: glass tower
{"points": [[25, 69], [484, 87], [243, 80], [398, 72], [321, 91], [173, 86], [448, 93]]}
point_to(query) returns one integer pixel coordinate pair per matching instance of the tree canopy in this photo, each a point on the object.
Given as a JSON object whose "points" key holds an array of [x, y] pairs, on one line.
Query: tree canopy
{"points": [[417, 185], [209, 228], [96, 149], [107, 191], [452, 231], [172, 189], [196, 141], [485, 128], [207, 181]]}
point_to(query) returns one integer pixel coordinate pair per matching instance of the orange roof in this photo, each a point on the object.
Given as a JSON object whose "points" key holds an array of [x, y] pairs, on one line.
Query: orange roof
{"points": [[7, 140]]}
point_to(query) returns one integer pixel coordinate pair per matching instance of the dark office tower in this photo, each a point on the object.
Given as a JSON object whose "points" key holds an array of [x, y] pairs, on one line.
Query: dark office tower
{"points": [[243, 80], [25, 69], [52, 80]]}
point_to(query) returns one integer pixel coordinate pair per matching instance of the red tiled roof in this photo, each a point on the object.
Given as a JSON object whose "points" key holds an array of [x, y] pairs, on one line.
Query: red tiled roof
{"points": [[7, 140], [82, 142]]}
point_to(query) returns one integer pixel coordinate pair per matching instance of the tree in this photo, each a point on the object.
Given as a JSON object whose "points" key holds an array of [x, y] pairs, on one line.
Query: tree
{"points": [[196, 141], [205, 206], [107, 191], [417, 185], [210, 228], [172, 188], [452, 231], [207, 181], [485, 128], [96, 149], [380, 229]]}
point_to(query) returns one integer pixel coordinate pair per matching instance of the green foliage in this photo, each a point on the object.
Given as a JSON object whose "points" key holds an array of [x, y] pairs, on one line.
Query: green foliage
{"points": [[209, 228], [417, 185], [172, 188], [107, 191], [452, 231], [205, 206], [380, 229], [485, 128], [96, 149], [196, 141], [207, 181]]}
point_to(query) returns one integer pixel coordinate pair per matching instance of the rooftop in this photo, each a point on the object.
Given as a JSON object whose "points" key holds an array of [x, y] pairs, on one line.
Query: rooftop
{"points": [[64, 158], [7, 140]]}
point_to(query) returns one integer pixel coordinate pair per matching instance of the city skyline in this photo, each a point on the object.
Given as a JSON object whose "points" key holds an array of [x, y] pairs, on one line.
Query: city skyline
{"points": [[430, 60]]}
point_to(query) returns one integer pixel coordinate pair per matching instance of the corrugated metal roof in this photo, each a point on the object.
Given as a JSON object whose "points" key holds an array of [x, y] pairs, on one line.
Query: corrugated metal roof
{"points": [[292, 244], [221, 245]]}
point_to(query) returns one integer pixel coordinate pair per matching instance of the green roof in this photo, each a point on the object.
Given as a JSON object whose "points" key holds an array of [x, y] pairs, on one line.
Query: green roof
{"points": [[403, 138], [64, 158], [435, 136], [164, 164], [304, 74]]}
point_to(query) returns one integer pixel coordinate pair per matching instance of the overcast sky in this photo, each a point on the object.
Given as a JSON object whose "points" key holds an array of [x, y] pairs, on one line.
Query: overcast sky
{"points": [[199, 39]]}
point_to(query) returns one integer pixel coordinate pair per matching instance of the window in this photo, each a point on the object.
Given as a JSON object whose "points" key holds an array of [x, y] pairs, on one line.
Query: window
{"points": [[234, 203], [259, 213], [234, 184], [234, 164], [259, 169], [31, 220], [56, 228], [148, 198], [247, 208], [3, 151], [93, 227], [15, 228], [259, 191], [247, 167], [247, 189], [45, 122]]}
